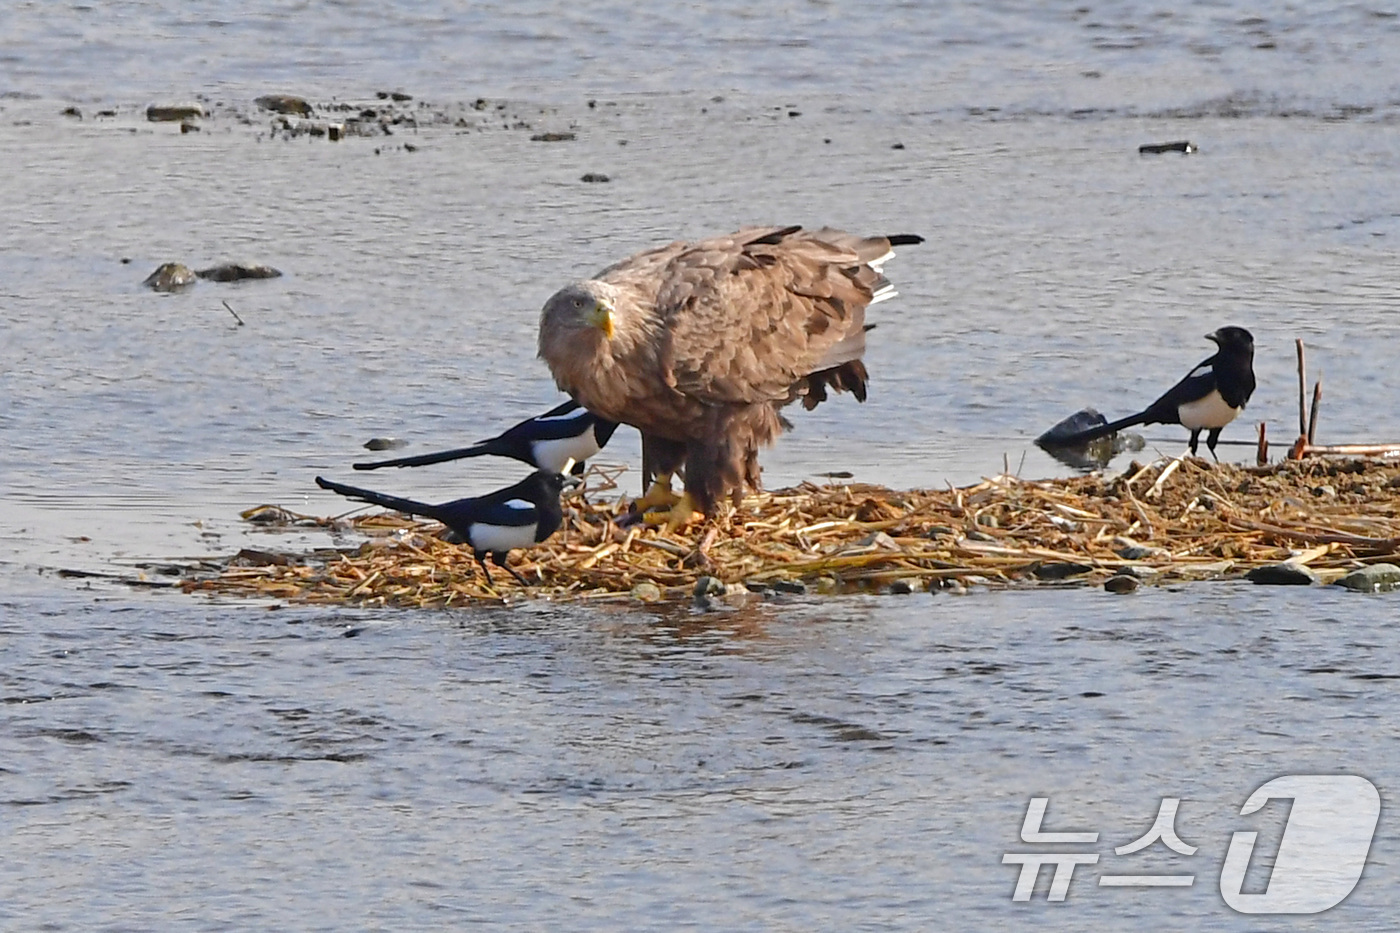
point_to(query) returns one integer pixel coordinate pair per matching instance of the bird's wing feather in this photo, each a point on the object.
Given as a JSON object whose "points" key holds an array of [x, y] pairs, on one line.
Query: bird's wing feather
{"points": [[749, 314], [1194, 385]]}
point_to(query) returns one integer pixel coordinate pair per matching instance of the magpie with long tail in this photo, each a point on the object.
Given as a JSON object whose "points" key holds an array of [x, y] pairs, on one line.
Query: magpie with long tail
{"points": [[1210, 397], [568, 432], [492, 525]]}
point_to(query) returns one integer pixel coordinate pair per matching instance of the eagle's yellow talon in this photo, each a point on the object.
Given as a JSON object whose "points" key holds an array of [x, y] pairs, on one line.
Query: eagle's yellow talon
{"points": [[677, 517], [659, 496]]}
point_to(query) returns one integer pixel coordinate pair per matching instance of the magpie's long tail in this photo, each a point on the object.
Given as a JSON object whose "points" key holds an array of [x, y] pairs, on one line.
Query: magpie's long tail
{"points": [[483, 449], [1102, 430], [407, 506], [904, 239]]}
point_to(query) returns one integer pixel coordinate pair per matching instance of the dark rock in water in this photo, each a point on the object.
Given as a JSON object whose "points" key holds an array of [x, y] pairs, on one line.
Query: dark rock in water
{"points": [[173, 113], [595, 178], [1059, 570], [553, 137], [189, 128], [1377, 578], [795, 587], [708, 586], [901, 588], [170, 277], [236, 271], [72, 112], [1180, 145], [1121, 583], [284, 103], [1082, 420], [1284, 574], [384, 443], [1090, 455]]}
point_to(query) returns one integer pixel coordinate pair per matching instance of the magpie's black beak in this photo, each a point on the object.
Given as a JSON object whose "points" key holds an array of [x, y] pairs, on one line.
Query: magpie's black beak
{"points": [[1214, 338]]}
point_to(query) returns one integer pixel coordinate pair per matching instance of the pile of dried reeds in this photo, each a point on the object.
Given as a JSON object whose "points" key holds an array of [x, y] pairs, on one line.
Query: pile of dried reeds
{"points": [[1172, 519]]}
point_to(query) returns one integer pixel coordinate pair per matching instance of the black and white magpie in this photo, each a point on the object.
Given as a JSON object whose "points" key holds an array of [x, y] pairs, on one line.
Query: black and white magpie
{"points": [[566, 432], [494, 524], [1210, 397]]}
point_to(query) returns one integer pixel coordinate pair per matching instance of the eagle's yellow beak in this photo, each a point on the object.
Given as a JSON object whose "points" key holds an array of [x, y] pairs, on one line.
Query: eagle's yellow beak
{"points": [[601, 317]]}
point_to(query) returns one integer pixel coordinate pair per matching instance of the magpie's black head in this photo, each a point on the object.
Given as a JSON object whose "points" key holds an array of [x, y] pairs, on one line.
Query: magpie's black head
{"points": [[1233, 338], [546, 485]]}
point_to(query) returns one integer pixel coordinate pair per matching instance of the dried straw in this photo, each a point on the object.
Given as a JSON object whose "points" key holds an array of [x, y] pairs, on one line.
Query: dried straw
{"points": [[1196, 520]]}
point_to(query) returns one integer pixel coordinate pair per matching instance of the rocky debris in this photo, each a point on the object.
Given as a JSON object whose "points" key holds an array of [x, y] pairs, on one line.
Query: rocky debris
{"points": [[647, 593], [553, 137], [1059, 570], [284, 103], [237, 271], [1183, 146], [595, 178], [170, 277], [173, 113], [1093, 454], [384, 443], [1287, 573], [1376, 578], [1121, 583]]}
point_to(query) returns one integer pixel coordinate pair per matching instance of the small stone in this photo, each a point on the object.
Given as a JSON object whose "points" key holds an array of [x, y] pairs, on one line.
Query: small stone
{"points": [[880, 540], [173, 113], [826, 586], [284, 103], [1140, 552], [1326, 490], [335, 131], [647, 592], [236, 271], [1183, 146], [1376, 578], [595, 178], [794, 587], [1284, 574], [708, 586], [170, 277], [938, 531], [1059, 570], [1121, 583], [72, 112], [955, 587], [553, 137], [384, 443], [189, 128], [988, 520], [901, 588]]}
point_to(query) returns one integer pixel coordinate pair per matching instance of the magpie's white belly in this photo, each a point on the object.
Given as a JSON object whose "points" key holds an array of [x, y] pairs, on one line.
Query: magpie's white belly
{"points": [[1209, 412], [486, 537], [552, 455]]}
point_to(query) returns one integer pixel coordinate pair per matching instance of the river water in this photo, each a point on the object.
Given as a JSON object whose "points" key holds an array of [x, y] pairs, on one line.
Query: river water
{"points": [[841, 763]]}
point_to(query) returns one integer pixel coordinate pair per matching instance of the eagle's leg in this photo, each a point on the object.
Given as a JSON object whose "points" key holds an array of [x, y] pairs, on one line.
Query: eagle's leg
{"points": [[659, 496]]}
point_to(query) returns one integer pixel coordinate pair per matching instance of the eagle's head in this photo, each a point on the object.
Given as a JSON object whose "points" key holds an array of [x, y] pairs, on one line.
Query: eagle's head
{"points": [[580, 310]]}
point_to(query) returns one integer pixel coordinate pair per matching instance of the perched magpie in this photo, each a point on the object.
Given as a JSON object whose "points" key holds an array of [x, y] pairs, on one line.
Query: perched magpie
{"points": [[494, 524], [1210, 396], [568, 432]]}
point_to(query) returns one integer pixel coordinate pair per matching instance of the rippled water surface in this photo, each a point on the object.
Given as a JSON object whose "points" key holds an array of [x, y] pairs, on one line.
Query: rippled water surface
{"points": [[809, 764]]}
